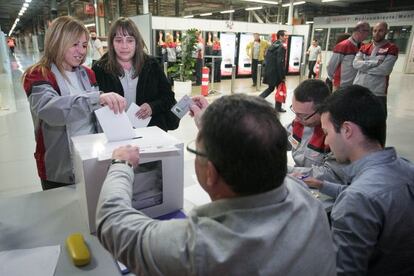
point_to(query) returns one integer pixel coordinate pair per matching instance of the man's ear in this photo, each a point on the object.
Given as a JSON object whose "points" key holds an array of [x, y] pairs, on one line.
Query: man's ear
{"points": [[347, 129], [212, 175]]}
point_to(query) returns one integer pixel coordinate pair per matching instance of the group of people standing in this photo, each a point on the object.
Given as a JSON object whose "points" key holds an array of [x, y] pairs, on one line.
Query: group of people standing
{"points": [[368, 65], [63, 94]]}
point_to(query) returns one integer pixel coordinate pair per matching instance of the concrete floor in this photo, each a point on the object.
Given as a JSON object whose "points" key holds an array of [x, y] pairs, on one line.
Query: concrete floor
{"points": [[17, 166]]}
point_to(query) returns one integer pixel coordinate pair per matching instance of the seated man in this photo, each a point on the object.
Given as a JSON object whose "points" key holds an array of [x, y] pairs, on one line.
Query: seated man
{"points": [[372, 219], [310, 154], [260, 221]]}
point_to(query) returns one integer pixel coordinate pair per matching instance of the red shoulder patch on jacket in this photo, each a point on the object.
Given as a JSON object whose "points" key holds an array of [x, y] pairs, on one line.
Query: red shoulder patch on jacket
{"points": [[91, 75], [36, 77]]}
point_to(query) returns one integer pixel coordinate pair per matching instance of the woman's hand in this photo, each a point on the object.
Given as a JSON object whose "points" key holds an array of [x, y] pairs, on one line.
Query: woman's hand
{"points": [[144, 112], [114, 101]]}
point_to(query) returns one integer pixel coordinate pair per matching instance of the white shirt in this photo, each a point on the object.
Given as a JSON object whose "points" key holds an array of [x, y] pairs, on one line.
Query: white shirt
{"points": [[130, 86]]}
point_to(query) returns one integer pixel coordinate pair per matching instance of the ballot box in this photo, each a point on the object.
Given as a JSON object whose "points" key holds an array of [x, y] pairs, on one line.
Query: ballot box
{"points": [[158, 184]]}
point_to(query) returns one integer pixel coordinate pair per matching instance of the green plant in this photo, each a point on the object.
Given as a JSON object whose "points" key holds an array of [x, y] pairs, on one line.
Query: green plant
{"points": [[184, 69]]}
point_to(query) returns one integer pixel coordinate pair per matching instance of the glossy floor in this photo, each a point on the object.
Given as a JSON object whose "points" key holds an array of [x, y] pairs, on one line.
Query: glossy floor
{"points": [[17, 166]]}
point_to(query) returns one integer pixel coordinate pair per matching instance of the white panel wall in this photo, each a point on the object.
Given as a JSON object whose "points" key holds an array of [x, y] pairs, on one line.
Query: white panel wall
{"points": [[172, 23]]}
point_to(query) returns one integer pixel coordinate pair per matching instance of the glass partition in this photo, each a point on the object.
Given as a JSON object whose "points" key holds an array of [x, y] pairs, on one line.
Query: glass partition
{"points": [[321, 34], [333, 35], [400, 36]]}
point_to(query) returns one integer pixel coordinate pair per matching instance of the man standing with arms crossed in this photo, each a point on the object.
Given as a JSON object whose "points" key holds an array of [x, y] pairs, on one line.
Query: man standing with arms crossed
{"points": [[375, 62], [339, 69]]}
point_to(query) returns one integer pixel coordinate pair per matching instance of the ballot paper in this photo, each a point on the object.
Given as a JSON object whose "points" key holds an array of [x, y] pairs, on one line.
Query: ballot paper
{"points": [[135, 121], [39, 261], [116, 127]]}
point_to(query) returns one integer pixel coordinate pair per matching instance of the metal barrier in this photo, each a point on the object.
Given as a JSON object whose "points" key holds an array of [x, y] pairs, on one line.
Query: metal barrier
{"points": [[233, 78], [302, 71], [259, 77], [166, 69]]}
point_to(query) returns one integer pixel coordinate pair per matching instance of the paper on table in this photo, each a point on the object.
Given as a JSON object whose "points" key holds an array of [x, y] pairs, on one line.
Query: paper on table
{"points": [[39, 261], [135, 121], [115, 126]]}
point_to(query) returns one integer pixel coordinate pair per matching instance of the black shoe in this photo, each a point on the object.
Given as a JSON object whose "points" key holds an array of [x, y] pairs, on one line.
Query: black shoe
{"points": [[281, 110]]}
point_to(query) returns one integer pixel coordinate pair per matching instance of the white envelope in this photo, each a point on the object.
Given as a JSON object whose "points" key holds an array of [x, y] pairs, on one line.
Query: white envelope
{"points": [[116, 127], [135, 121]]}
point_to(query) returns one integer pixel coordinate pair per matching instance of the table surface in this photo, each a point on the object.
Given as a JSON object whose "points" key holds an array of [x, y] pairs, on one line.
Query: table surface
{"points": [[47, 218]]}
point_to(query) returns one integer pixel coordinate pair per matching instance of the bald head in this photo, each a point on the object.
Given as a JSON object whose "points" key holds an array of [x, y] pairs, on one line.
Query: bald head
{"points": [[379, 32], [361, 31]]}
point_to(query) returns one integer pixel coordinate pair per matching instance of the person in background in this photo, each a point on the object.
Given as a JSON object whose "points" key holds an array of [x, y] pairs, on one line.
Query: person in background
{"points": [[129, 71], [216, 51], [168, 51], [315, 55], [375, 62], [256, 50], [199, 57], [373, 218], [259, 221], [11, 45], [275, 69], [340, 63], [62, 96], [96, 46]]}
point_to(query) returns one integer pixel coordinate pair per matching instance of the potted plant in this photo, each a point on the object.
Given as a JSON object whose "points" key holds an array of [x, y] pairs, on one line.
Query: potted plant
{"points": [[182, 71]]}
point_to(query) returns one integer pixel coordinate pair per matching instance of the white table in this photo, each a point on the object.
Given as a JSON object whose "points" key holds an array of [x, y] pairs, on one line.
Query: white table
{"points": [[47, 218]]}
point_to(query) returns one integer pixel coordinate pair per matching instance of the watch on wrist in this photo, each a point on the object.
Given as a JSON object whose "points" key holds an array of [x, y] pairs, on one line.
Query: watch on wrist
{"points": [[119, 161]]}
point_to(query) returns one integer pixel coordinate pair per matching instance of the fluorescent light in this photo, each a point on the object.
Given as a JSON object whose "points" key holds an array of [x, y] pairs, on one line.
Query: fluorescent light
{"points": [[188, 16], [28, 1], [254, 8], [294, 4], [89, 25], [206, 14], [263, 2], [330, 0], [309, 22], [318, 30], [228, 11], [17, 20], [26, 5]]}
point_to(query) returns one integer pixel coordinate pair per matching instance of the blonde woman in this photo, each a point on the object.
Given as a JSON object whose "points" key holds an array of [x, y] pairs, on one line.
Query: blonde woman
{"points": [[63, 95]]}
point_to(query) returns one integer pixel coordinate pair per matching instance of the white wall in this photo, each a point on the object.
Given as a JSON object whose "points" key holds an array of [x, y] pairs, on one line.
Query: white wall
{"points": [[172, 23]]}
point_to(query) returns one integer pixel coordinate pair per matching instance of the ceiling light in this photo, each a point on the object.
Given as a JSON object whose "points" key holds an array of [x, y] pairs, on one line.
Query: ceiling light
{"points": [[28, 1], [188, 16], [294, 4], [309, 22], [26, 5], [263, 2], [89, 25], [254, 8], [228, 11], [330, 1], [206, 14]]}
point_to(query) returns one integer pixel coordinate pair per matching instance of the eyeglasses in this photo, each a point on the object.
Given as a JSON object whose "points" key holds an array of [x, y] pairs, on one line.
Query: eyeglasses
{"points": [[303, 117], [191, 147]]}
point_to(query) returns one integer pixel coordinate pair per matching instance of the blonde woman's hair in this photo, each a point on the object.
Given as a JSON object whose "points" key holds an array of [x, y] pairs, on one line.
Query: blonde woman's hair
{"points": [[127, 27], [60, 36]]}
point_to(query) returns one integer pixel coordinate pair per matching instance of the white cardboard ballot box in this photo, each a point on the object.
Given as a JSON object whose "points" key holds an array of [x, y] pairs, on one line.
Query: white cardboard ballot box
{"points": [[158, 185]]}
